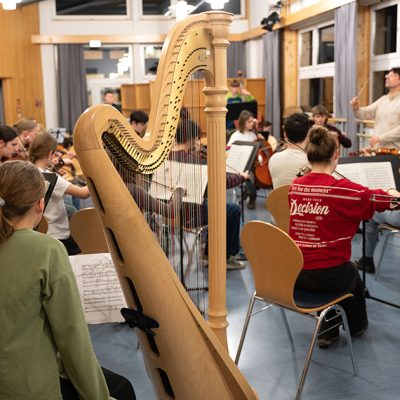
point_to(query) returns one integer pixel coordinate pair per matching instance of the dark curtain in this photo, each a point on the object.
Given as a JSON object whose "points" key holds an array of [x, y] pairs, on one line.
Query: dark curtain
{"points": [[346, 65], [236, 58], [272, 75], [72, 90]]}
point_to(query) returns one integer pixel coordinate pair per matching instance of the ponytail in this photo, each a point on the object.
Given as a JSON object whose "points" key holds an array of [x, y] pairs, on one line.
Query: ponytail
{"points": [[21, 187], [321, 145]]}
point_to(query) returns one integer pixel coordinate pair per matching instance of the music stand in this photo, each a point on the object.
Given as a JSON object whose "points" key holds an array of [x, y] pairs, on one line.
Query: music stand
{"points": [[395, 168], [241, 158], [234, 109]]}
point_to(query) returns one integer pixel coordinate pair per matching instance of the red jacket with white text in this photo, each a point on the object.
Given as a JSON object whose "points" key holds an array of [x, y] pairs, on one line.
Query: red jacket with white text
{"points": [[325, 213]]}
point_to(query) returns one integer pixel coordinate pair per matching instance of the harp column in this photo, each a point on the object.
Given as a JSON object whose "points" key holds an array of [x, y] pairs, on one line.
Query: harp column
{"points": [[215, 101]]}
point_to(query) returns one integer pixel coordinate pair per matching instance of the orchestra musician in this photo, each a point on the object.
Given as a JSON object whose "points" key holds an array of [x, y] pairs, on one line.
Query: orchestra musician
{"points": [[245, 133], [237, 94], [285, 165], [325, 213], [41, 152], [27, 131], [44, 333], [386, 113], [9, 143], [187, 134], [320, 117], [138, 120]]}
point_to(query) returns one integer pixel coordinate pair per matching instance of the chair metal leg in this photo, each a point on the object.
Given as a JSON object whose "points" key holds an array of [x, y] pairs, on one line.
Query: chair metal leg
{"points": [[378, 266], [285, 322], [245, 326], [348, 337], [309, 355]]}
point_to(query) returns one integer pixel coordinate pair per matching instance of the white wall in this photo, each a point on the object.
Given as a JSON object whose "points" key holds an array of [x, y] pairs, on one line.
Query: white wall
{"points": [[259, 10]]}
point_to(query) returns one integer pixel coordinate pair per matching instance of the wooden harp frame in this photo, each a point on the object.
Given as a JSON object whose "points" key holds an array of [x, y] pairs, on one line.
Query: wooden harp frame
{"points": [[184, 359]]}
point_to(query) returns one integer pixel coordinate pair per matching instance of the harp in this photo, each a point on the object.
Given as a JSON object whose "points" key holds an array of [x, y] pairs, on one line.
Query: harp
{"points": [[185, 359]]}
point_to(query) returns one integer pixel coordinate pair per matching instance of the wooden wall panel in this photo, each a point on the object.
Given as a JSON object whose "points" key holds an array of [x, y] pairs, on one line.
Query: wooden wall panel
{"points": [[20, 65], [290, 68], [363, 52], [140, 96]]}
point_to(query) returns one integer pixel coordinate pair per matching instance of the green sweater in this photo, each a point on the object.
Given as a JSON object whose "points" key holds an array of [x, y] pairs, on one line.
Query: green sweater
{"points": [[40, 315]]}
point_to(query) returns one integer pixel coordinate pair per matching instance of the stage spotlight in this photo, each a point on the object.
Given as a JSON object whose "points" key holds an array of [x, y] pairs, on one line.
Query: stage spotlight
{"points": [[269, 22], [273, 16]]}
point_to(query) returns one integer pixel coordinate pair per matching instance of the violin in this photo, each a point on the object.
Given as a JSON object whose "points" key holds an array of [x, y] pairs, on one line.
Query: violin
{"points": [[368, 152], [66, 164]]}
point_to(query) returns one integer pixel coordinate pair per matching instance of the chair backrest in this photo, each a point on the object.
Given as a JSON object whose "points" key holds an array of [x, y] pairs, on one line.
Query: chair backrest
{"points": [[87, 232], [277, 204], [275, 260]]}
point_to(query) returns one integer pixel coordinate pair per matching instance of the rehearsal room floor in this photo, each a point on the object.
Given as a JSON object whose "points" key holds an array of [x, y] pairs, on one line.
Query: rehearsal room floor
{"points": [[267, 361]]}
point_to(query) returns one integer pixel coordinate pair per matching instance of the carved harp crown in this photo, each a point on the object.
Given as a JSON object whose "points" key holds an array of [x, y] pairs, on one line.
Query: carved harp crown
{"points": [[185, 359]]}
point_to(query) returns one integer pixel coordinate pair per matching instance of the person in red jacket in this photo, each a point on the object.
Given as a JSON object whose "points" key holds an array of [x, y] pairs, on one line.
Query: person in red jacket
{"points": [[325, 213]]}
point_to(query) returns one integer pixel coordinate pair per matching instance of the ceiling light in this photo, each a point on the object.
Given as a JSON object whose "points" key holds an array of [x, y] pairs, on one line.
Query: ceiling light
{"points": [[217, 4], [95, 44], [181, 9], [9, 4]]}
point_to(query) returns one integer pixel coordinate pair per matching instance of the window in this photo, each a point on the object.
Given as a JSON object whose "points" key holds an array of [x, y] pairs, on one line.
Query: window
{"points": [[154, 7], [160, 7], [151, 57], [385, 47], [107, 68], [316, 66], [108, 62], [91, 7], [326, 50], [385, 30], [378, 84], [316, 91]]}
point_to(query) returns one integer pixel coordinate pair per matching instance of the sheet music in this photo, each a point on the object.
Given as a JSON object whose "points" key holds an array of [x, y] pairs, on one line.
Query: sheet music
{"points": [[238, 157], [375, 175], [191, 177], [99, 287]]}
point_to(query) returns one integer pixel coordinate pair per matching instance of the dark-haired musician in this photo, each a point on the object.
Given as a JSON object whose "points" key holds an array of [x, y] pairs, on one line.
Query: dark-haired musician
{"points": [[386, 113]]}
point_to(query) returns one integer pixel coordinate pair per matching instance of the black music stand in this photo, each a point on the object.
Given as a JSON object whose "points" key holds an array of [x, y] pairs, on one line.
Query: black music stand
{"points": [[246, 164], [395, 167], [234, 109]]}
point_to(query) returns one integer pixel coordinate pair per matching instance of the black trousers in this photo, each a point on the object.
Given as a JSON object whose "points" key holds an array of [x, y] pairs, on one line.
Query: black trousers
{"points": [[340, 279], [120, 388], [71, 246]]}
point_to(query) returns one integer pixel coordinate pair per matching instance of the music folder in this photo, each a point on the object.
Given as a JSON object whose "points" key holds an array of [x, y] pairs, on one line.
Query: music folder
{"points": [[241, 156], [379, 172]]}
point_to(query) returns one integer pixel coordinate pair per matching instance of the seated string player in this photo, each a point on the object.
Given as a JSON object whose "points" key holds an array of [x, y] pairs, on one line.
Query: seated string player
{"points": [[138, 120], [325, 213], [320, 117], [286, 164], [188, 138], [41, 152], [245, 133], [45, 348], [9, 143]]}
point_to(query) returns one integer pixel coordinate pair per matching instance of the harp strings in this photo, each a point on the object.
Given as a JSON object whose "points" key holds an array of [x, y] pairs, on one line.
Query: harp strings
{"points": [[170, 202]]}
